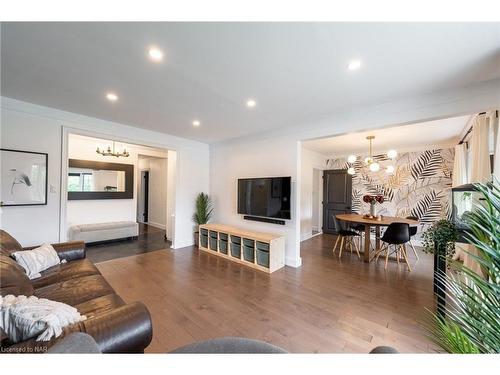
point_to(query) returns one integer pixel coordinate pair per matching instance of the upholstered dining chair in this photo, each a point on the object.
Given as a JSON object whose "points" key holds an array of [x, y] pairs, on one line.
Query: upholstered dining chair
{"points": [[346, 235], [413, 231], [396, 235]]}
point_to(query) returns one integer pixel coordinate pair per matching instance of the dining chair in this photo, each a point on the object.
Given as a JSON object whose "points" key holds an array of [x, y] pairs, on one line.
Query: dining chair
{"points": [[396, 235], [413, 231], [346, 235]]}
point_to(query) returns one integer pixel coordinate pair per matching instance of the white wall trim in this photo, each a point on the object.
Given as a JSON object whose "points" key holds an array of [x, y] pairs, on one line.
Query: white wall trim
{"points": [[156, 225], [293, 262]]}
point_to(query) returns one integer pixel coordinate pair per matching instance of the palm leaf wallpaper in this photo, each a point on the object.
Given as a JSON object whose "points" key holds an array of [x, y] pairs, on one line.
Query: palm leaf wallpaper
{"points": [[420, 185]]}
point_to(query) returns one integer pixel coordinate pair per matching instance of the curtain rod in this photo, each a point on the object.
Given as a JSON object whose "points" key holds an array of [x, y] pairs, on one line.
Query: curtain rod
{"points": [[470, 129]]}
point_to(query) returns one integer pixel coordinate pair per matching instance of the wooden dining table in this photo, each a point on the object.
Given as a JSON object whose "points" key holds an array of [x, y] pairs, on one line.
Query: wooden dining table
{"points": [[369, 223]]}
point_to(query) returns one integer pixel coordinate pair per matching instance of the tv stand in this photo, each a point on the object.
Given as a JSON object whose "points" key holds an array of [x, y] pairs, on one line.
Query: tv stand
{"points": [[262, 251], [264, 219]]}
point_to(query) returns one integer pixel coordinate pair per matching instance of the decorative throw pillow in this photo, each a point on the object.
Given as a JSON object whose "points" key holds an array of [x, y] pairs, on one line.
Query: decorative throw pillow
{"points": [[23, 318], [37, 260]]}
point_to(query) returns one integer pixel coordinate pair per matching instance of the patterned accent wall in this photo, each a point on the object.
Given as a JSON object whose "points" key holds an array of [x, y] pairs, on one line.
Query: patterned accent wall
{"points": [[420, 185]]}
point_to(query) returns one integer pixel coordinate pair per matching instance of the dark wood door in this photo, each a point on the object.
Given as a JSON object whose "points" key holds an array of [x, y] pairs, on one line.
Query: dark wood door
{"points": [[337, 196]]}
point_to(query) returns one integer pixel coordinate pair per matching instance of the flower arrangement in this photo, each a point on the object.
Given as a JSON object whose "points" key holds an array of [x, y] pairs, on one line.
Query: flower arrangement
{"points": [[372, 199]]}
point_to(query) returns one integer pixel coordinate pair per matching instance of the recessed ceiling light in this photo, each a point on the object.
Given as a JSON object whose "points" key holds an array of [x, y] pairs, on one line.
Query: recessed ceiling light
{"points": [[354, 65], [111, 96], [251, 103], [155, 54], [196, 123]]}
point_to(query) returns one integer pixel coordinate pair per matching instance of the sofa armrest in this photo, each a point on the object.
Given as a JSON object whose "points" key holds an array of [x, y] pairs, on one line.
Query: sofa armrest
{"points": [[67, 250], [126, 329]]}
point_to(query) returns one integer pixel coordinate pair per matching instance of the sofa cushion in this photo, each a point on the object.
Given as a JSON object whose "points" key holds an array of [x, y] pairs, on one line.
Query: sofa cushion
{"points": [[8, 244], [13, 279], [76, 290], [100, 305], [104, 226], [65, 271]]}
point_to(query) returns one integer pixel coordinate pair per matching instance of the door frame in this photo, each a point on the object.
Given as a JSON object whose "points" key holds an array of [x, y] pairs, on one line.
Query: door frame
{"points": [[140, 193]]}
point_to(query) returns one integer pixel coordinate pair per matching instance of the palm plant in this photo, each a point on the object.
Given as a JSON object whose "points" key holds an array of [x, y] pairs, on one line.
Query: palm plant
{"points": [[472, 320], [204, 209]]}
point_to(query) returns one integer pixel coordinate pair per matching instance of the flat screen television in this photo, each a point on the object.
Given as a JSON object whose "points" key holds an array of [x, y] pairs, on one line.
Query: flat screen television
{"points": [[265, 197]]}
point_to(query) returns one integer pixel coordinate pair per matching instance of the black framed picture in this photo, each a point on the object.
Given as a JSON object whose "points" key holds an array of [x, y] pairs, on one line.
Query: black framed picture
{"points": [[24, 178]]}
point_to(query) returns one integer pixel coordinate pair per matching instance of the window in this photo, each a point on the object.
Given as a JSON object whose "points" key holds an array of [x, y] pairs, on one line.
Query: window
{"points": [[80, 181]]}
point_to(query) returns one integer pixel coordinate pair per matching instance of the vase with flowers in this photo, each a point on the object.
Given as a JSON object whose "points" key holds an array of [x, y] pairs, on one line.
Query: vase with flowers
{"points": [[373, 200]]}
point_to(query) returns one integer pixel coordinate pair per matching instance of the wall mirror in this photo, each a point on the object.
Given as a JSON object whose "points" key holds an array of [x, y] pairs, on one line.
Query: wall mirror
{"points": [[99, 180]]}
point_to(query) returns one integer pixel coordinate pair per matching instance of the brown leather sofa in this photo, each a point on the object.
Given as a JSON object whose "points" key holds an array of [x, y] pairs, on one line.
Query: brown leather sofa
{"points": [[116, 326]]}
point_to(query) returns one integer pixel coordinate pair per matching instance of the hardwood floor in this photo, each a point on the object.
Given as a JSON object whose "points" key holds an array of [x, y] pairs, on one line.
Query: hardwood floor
{"points": [[150, 239], [327, 305]]}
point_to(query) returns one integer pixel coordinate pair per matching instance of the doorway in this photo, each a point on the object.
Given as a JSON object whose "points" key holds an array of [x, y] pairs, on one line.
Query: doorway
{"points": [[143, 212], [337, 196]]}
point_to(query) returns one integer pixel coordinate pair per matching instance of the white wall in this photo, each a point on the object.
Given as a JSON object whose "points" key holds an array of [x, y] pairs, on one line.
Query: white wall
{"points": [[278, 152], [317, 198], [171, 178], [157, 202], [310, 160], [239, 159], [27, 126]]}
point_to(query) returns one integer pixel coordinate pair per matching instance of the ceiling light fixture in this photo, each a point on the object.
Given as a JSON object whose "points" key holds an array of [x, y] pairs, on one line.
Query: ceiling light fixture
{"points": [[155, 54], [354, 65], [112, 152], [370, 160], [196, 123], [391, 154], [251, 103], [374, 167], [111, 96]]}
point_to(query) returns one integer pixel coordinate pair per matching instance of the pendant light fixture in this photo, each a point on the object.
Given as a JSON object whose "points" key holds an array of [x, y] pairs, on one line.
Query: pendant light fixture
{"points": [[112, 152], [370, 161]]}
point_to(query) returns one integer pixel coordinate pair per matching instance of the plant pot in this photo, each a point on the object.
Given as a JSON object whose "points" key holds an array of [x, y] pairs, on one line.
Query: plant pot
{"points": [[196, 238]]}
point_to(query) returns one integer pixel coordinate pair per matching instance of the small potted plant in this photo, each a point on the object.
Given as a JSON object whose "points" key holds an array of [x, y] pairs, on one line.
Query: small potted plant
{"points": [[440, 240], [203, 213], [373, 200]]}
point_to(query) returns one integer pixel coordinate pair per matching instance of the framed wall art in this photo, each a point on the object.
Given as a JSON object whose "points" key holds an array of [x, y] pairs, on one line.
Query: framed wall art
{"points": [[23, 178]]}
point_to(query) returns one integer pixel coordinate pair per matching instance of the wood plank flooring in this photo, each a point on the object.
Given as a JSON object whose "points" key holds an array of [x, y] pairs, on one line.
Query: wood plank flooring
{"points": [[326, 306], [150, 239]]}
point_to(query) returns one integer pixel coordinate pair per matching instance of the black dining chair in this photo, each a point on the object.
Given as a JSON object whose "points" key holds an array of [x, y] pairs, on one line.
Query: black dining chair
{"points": [[346, 235], [413, 231], [396, 235]]}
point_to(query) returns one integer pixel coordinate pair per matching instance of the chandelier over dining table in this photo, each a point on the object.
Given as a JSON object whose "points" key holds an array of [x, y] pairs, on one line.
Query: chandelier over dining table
{"points": [[370, 161]]}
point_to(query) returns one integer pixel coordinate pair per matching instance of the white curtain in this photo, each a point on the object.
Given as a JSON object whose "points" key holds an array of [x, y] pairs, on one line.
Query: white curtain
{"points": [[460, 165], [496, 152], [480, 170]]}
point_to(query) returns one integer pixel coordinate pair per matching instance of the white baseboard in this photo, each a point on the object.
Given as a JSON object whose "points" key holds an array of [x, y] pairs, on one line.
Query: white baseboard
{"points": [[156, 225], [307, 236], [293, 262]]}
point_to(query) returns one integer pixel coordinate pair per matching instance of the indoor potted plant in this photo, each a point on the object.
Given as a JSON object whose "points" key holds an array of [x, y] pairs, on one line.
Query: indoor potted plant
{"points": [[470, 323], [440, 240], [203, 212], [373, 200]]}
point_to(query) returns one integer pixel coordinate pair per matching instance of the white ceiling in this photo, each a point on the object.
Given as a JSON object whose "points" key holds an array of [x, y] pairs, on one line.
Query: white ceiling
{"points": [[296, 71], [446, 132]]}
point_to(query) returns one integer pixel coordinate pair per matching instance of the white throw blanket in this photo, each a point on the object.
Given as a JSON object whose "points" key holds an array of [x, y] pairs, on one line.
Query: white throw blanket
{"points": [[24, 317], [37, 260]]}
